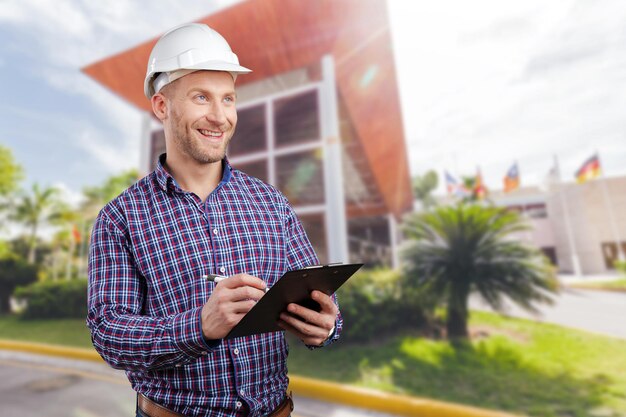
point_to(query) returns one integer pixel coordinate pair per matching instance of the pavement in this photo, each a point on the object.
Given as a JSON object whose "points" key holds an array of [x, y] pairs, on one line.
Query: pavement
{"points": [[590, 310], [31, 383]]}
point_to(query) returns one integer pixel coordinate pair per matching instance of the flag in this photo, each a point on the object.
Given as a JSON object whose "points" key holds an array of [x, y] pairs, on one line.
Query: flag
{"points": [[75, 234], [454, 187], [480, 191], [511, 179], [589, 170]]}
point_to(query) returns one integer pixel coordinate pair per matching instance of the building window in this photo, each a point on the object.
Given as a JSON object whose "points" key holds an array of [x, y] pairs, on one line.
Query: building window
{"points": [[609, 252], [536, 211], [256, 169], [250, 135], [315, 227], [550, 253], [301, 178], [296, 119]]}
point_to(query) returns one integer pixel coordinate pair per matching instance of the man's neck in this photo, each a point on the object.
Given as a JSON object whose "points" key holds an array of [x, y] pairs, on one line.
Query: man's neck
{"points": [[200, 179]]}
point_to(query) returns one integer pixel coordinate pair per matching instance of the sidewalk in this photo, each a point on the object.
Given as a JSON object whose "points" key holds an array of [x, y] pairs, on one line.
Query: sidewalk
{"points": [[573, 279], [30, 381]]}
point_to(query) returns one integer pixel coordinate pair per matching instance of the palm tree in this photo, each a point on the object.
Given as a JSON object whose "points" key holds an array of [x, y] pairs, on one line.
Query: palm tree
{"points": [[423, 186], [40, 207], [469, 248]]}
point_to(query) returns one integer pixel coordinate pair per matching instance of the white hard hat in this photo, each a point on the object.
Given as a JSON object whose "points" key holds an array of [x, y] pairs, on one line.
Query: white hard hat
{"points": [[193, 46]]}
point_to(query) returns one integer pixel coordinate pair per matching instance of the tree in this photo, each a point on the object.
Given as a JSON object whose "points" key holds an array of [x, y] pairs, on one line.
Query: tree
{"points": [[40, 207], [423, 186], [467, 248], [97, 197], [11, 173], [14, 271]]}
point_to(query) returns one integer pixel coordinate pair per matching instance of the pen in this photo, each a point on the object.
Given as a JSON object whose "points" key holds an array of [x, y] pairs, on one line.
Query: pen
{"points": [[214, 278], [218, 278]]}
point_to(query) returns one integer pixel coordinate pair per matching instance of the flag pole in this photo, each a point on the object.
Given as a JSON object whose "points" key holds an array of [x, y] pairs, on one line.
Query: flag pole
{"points": [[609, 206], [568, 223]]}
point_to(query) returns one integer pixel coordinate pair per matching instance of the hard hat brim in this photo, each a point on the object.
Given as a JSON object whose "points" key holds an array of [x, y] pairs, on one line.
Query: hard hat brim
{"points": [[207, 65], [218, 66]]}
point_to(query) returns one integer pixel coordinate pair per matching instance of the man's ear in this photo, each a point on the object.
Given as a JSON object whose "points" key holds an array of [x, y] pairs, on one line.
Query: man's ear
{"points": [[159, 106]]}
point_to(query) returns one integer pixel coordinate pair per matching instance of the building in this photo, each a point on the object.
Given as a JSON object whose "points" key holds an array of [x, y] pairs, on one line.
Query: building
{"points": [[319, 117], [574, 223]]}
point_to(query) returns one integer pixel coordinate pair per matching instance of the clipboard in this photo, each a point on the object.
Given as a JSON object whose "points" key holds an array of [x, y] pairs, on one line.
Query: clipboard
{"points": [[293, 287]]}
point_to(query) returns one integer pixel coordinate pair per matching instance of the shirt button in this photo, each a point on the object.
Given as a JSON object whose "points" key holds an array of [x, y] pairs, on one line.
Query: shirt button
{"points": [[241, 393], [236, 351], [178, 365], [238, 404], [205, 353], [215, 231], [223, 269]]}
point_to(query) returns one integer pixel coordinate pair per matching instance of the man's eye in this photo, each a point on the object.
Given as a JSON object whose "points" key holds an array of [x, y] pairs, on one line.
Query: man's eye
{"points": [[201, 97], [229, 99]]}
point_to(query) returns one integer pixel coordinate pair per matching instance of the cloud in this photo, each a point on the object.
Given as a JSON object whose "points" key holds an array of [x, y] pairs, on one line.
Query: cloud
{"points": [[69, 195], [112, 156], [486, 83]]}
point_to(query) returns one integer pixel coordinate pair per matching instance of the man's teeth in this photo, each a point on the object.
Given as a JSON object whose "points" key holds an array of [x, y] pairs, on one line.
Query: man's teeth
{"points": [[210, 133]]}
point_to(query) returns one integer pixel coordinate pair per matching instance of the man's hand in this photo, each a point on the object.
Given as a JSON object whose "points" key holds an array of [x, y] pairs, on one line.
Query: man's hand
{"points": [[231, 299], [308, 325]]}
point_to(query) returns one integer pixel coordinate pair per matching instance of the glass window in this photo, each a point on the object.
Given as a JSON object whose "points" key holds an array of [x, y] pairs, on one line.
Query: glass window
{"points": [[315, 227], [250, 134], [296, 119], [256, 169], [300, 177], [157, 147]]}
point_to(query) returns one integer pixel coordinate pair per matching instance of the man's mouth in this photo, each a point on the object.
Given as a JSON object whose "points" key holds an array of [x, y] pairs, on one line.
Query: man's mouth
{"points": [[212, 134]]}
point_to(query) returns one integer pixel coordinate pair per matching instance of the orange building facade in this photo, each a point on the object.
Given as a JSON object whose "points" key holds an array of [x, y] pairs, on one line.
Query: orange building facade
{"points": [[319, 116]]}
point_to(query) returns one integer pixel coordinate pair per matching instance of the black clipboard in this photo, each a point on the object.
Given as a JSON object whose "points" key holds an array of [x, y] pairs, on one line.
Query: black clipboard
{"points": [[292, 287]]}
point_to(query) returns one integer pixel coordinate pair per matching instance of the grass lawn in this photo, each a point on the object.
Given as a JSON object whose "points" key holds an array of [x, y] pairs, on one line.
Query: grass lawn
{"points": [[617, 285], [70, 332], [518, 366], [514, 365]]}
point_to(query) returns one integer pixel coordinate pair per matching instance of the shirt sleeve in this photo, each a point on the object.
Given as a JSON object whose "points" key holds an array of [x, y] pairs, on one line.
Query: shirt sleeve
{"points": [[120, 332], [300, 254]]}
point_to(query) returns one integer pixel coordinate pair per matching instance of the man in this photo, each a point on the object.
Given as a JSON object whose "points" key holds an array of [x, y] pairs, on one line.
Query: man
{"points": [[151, 312]]}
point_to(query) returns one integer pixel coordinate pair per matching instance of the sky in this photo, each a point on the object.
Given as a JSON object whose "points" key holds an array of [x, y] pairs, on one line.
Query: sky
{"points": [[482, 84]]}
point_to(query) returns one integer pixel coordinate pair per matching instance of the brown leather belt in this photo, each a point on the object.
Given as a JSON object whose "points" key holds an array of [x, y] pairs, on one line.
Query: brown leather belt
{"points": [[152, 409]]}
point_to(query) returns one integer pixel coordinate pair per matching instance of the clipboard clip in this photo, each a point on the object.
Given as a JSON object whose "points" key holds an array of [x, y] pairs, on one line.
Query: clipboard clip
{"points": [[323, 266]]}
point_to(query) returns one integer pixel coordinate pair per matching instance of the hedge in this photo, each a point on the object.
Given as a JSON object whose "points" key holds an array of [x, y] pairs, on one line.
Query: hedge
{"points": [[54, 299], [373, 305]]}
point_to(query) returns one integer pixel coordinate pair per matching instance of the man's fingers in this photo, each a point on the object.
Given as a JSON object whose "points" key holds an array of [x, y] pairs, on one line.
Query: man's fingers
{"points": [[325, 301], [305, 314], [301, 330], [242, 307], [245, 293], [243, 280]]}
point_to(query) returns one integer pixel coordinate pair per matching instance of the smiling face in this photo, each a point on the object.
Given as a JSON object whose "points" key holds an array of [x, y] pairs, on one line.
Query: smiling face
{"points": [[199, 116]]}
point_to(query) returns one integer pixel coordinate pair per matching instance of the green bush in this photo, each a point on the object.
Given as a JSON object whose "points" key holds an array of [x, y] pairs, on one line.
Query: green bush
{"points": [[620, 266], [54, 299], [373, 306], [14, 271]]}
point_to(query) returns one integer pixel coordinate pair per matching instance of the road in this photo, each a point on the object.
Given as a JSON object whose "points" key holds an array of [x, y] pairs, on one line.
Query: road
{"points": [[591, 310], [35, 385]]}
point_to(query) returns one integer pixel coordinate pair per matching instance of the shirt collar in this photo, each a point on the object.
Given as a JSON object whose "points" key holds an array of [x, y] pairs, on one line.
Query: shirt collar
{"points": [[167, 182]]}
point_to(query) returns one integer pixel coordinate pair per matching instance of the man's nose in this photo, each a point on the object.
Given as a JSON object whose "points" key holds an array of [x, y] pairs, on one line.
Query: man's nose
{"points": [[215, 114]]}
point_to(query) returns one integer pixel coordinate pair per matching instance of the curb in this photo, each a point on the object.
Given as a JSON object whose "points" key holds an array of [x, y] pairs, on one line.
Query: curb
{"points": [[594, 288], [307, 387], [51, 350], [388, 403]]}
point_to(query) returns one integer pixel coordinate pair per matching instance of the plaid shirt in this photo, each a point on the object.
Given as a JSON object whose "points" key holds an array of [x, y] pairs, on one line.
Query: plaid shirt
{"points": [[149, 249]]}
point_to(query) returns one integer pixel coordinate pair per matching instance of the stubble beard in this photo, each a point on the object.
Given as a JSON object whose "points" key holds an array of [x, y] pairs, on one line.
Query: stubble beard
{"points": [[189, 144]]}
